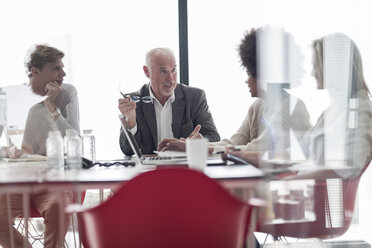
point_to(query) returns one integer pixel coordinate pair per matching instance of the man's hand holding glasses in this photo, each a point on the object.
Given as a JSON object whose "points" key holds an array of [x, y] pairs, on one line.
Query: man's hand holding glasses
{"points": [[134, 98], [127, 106]]}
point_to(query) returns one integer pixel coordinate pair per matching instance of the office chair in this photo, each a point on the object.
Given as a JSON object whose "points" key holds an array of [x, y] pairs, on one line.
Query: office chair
{"points": [[170, 207], [334, 201]]}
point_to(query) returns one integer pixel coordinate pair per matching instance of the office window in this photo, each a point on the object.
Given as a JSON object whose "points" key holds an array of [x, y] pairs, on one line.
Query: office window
{"points": [[105, 44], [215, 31]]}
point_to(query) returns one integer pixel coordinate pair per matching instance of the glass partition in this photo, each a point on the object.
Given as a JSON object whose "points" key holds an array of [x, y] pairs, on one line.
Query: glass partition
{"points": [[287, 67]]}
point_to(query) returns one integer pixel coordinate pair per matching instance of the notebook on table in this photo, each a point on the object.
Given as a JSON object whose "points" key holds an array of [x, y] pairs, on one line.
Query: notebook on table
{"points": [[148, 160], [27, 158]]}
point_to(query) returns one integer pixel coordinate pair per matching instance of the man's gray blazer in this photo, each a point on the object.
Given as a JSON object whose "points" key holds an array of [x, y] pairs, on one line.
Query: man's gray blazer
{"points": [[189, 109]]}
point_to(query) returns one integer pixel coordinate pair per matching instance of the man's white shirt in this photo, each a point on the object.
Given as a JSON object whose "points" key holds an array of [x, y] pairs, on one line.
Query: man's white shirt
{"points": [[163, 118]]}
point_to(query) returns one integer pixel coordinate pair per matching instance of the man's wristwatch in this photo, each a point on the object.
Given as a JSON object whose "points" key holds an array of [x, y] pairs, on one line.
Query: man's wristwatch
{"points": [[55, 114]]}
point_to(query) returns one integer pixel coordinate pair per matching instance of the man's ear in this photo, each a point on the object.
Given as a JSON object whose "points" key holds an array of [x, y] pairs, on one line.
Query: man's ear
{"points": [[146, 71], [35, 71]]}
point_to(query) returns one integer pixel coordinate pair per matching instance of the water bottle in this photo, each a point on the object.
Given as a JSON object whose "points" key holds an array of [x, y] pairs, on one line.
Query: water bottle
{"points": [[73, 149], [89, 145], [69, 133], [54, 146], [3, 108]]}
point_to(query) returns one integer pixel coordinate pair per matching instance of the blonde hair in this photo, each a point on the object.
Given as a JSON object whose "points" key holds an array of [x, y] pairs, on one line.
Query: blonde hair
{"points": [[358, 84]]}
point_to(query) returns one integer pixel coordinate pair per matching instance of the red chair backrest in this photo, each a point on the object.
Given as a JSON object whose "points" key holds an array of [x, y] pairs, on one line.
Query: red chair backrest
{"points": [[166, 208]]}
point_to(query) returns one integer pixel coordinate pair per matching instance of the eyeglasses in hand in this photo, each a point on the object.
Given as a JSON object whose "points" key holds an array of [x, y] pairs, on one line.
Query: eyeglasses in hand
{"points": [[144, 99]]}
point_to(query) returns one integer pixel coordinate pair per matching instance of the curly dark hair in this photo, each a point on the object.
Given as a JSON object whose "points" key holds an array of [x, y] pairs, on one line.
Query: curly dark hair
{"points": [[247, 52]]}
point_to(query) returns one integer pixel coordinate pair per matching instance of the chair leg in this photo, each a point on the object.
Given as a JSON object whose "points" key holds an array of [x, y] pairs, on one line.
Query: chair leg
{"points": [[267, 235], [65, 244], [73, 229]]}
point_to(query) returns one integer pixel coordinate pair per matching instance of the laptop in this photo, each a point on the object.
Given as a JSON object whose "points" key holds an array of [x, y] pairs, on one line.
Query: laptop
{"points": [[149, 160]]}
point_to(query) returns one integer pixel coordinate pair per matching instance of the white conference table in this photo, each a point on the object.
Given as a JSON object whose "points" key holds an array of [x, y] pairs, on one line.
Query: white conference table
{"points": [[244, 181], [29, 177], [36, 175]]}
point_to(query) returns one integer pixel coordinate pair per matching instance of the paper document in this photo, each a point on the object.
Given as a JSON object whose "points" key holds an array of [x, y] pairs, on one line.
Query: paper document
{"points": [[27, 158]]}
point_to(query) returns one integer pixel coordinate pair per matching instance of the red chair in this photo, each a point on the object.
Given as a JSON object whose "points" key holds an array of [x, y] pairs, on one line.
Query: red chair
{"points": [[172, 207], [332, 220]]}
